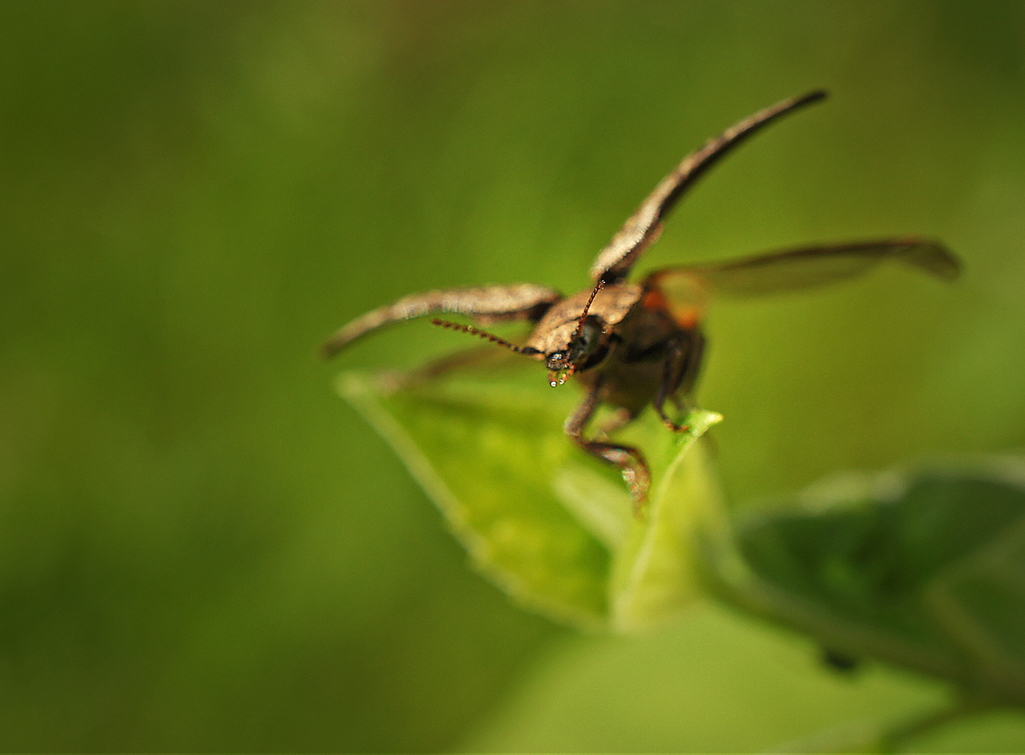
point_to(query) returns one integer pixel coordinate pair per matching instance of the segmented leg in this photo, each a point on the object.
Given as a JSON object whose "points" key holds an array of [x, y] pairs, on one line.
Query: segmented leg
{"points": [[627, 459], [466, 359], [679, 372], [672, 371], [445, 366]]}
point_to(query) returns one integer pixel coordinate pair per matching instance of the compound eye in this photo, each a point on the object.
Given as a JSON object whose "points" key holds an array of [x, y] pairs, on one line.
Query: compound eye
{"points": [[557, 360], [587, 341]]}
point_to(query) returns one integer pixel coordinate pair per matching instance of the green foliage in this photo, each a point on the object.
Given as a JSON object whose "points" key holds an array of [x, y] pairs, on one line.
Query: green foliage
{"points": [[545, 522], [923, 570]]}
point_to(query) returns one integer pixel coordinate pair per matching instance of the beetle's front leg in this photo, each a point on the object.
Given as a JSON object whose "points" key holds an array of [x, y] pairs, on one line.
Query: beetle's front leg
{"points": [[672, 371], [679, 372], [627, 459]]}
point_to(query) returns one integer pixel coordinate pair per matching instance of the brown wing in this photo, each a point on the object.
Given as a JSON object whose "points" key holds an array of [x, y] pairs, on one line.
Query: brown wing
{"points": [[519, 301], [795, 269], [641, 230]]}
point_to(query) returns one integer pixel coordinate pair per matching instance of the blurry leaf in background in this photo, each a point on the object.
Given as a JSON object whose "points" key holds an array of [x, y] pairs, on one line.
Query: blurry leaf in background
{"points": [[925, 570], [538, 516], [719, 682]]}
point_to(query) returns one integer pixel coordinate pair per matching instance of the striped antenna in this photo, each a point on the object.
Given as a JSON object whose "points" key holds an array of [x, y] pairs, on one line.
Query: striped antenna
{"points": [[481, 334], [583, 315], [558, 377]]}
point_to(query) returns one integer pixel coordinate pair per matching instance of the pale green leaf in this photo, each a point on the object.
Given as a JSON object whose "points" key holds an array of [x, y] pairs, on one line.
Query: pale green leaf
{"points": [[549, 525]]}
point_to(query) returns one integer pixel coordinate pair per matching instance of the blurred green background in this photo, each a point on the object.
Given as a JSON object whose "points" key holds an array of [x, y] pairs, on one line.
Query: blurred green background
{"points": [[202, 547]]}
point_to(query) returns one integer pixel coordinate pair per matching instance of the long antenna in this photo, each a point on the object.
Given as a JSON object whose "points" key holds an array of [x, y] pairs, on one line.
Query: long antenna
{"points": [[583, 315], [558, 377], [481, 334]]}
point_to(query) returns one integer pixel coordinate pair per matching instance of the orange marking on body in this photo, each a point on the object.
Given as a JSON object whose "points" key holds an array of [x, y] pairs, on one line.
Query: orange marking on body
{"points": [[655, 299], [687, 317]]}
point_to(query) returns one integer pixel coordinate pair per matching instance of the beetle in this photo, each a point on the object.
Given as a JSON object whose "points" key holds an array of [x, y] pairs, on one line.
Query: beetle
{"points": [[632, 344]]}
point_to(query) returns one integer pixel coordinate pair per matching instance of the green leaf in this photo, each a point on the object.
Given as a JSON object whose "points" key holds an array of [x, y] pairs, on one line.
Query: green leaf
{"points": [[551, 526], [926, 570], [653, 571]]}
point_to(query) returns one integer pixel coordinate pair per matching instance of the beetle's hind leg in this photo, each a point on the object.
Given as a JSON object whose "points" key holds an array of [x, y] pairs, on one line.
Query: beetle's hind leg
{"points": [[484, 356], [627, 459], [469, 360]]}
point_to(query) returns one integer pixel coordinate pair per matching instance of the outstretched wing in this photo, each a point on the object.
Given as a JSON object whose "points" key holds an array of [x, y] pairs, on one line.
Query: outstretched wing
{"points": [[641, 230], [688, 288], [519, 301]]}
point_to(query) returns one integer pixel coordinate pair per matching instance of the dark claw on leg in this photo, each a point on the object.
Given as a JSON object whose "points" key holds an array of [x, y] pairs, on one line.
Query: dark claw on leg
{"points": [[670, 424], [630, 463], [628, 460], [677, 374]]}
